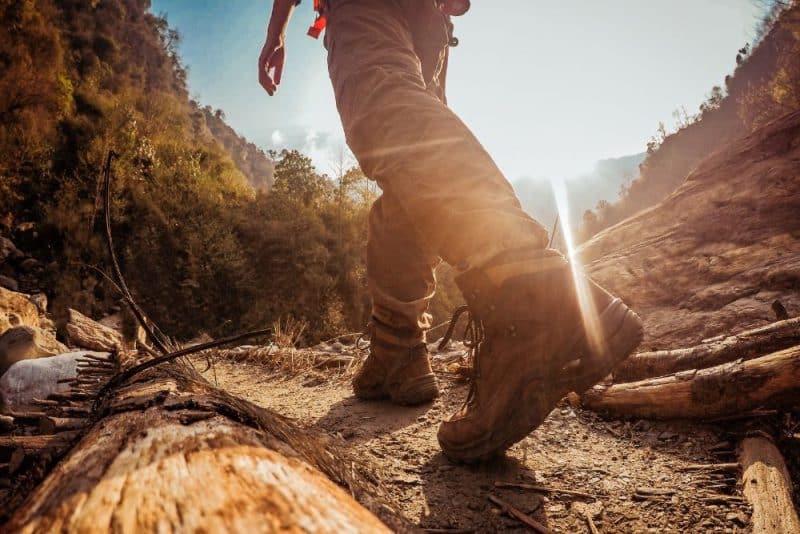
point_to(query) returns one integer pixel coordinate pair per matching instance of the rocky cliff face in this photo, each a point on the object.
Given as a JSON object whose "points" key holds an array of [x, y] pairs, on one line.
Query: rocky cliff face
{"points": [[715, 254]]}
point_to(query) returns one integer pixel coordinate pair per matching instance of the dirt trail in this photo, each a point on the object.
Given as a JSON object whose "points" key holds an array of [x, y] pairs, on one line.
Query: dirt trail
{"points": [[613, 461]]}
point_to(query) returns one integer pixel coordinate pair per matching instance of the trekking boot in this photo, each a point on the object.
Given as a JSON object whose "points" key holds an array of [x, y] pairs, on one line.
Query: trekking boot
{"points": [[535, 335], [397, 368]]}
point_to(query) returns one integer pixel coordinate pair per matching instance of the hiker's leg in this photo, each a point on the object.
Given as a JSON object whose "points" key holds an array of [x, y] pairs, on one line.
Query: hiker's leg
{"points": [[400, 270], [407, 139], [522, 299], [401, 283]]}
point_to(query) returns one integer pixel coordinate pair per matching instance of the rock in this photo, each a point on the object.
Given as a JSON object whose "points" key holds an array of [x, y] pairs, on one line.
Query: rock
{"points": [[740, 518], [85, 332], [16, 310], [780, 310], [581, 509], [8, 250], [30, 264], [25, 343], [711, 257], [40, 301], [37, 379], [8, 283], [200, 339], [113, 321]]}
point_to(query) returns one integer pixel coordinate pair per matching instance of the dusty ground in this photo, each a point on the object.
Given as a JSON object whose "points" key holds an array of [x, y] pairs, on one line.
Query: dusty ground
{"points": [[613, 462]]}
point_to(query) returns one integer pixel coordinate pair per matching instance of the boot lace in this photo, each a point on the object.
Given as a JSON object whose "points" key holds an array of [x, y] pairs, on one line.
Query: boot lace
{"points": [[473, 338]]}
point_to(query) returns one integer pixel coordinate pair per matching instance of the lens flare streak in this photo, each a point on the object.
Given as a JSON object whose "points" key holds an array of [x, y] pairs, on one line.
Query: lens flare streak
{"points": [[591, 320]]}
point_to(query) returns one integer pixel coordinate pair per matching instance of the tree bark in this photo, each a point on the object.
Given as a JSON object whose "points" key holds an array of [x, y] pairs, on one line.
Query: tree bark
{"points": [[767, 486], [85, 332], [169, 452], [734, 388], [716, 351]]}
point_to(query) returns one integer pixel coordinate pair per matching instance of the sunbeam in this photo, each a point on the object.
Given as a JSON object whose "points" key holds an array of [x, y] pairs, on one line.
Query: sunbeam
{"points": [[591, 321]]}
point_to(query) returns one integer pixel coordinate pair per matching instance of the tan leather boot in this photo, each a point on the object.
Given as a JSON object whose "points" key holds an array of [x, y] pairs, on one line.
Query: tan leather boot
{"points": [[397, 368], [535, 337]]}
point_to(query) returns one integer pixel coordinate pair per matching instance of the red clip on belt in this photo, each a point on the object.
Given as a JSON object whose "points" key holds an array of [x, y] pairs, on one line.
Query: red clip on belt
{"points": [[319, 24]]}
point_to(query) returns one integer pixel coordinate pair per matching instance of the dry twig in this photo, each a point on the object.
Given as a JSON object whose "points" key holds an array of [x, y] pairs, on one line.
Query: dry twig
{"points": [[544, 489], [520, 515]]}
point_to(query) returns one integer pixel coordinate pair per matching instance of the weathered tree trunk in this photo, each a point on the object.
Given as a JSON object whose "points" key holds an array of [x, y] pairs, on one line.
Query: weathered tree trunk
{"points": [[172, 453], [716, 351], [768, 487], [734, 388], [85, 332]]}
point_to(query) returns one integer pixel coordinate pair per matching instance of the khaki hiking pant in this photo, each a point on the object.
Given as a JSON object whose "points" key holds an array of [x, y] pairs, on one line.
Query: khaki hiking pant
{"points": [[443, 195]]}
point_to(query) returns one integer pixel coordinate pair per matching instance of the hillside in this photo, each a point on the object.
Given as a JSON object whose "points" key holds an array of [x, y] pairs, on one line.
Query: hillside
{"points": [[206, 248], [714, 255], [248, 158], [764, 86]]}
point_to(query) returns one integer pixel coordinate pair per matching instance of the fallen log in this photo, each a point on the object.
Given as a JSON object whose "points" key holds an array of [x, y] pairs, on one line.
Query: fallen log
{"points": [[149, 463], [745, 345], [156, 465], [768, 381], [87, 333], [767, 486]]}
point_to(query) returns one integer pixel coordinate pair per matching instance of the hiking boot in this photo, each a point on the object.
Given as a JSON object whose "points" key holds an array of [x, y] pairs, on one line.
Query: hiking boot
{"points": [[395, 370], [531, 345]]}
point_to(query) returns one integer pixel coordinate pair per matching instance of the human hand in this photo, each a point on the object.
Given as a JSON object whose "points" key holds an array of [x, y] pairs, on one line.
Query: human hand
{"points": [[270, 65]]}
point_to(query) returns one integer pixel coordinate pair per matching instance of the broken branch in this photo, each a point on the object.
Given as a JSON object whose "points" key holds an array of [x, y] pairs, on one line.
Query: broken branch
{"points": [[520, 515], [767, 486], [745, 345], [543, 489]]}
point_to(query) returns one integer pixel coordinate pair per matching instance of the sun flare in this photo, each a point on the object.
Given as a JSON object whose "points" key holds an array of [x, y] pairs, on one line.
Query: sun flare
{"points": [[591, 320]]}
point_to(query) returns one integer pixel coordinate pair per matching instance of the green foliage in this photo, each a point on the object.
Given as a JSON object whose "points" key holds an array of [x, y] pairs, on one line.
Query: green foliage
{"points": [[203, 242]]}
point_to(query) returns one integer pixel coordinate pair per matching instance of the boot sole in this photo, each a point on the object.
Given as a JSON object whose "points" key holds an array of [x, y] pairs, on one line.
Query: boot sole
{"points": [[420, 390], [624, 333]]}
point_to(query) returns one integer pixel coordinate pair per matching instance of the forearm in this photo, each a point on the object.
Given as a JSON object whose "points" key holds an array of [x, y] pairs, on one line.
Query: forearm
{"points": [[279, 20]]}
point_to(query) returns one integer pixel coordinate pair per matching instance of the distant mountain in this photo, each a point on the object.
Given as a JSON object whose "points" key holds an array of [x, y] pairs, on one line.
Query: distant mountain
{"points": [[248, 158], [602, 184]]}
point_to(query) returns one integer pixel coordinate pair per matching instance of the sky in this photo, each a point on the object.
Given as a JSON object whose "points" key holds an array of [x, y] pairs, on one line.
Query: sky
{"points": [[548, 87]]}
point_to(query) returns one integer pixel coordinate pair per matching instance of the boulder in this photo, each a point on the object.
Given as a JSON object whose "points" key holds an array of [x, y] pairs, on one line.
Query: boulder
{"points": [[25, 343], [8, 283], [8, 250], [40, 301], [37, 379], [30, 265], [16, 309], [85, 332]]}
